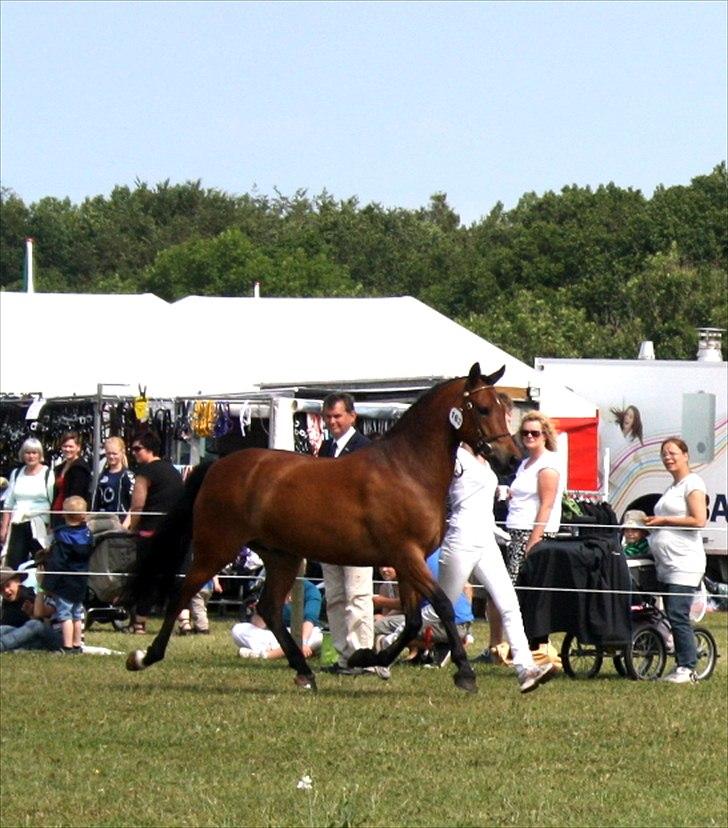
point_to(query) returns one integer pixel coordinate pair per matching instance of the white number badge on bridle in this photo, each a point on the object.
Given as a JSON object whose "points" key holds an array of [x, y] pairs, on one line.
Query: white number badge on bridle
{"points": [[456, 417]]}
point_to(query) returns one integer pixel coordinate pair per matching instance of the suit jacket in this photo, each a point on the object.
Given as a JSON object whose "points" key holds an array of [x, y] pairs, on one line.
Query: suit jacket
{"points": [[357, 441]]}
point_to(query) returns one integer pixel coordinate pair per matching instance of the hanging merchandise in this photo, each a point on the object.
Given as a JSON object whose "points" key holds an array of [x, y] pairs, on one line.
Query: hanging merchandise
{"points": [[141, 406], [223, 421], [246, 417], [203, 418], [162, 424], [301, 442], [182, 425]]}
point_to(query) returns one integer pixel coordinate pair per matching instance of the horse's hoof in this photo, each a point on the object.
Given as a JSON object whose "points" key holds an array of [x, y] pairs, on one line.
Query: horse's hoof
{"points": [[305, 682], [135, 661], [466, 683], [363, 658]]}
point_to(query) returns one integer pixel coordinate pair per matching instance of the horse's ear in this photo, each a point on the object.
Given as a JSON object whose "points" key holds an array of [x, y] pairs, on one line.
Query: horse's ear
{"points": [[474, 374], [493, 378]]}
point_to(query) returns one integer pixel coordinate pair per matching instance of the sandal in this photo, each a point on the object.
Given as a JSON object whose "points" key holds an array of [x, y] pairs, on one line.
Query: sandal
{"points": [[139, 628]]}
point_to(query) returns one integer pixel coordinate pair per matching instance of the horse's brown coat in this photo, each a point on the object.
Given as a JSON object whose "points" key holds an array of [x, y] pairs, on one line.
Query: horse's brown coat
{"points": [[383, 504]]}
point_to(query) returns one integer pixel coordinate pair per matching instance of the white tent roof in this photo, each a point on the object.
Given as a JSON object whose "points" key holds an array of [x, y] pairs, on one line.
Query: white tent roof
{"points": [[65, 344]]}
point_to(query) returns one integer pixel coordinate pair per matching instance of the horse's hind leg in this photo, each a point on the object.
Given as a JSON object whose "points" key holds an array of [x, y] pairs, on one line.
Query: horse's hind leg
{"points": [[281, 570]]}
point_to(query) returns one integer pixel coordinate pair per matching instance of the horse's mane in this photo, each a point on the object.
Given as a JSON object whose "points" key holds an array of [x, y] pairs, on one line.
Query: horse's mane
{"points": [[417, 411]]}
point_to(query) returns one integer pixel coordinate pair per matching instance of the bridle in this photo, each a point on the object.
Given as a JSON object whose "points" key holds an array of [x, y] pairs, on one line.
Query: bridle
{"points": [[484, 443]]}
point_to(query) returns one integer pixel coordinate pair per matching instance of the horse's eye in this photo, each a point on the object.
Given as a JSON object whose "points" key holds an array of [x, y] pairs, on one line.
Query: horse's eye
{"points": [[483, 410]]}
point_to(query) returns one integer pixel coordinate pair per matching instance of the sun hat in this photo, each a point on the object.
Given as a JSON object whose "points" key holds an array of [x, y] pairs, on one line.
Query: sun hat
{"points": [[634, 519], [7, 574]]}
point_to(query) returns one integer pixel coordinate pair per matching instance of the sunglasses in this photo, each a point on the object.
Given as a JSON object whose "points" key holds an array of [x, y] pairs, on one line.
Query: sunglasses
{"points": [[137, 448], [525, 432]]}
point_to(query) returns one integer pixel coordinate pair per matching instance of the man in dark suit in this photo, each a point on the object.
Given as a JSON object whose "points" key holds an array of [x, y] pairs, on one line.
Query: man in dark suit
{"points": [[349, 604]]}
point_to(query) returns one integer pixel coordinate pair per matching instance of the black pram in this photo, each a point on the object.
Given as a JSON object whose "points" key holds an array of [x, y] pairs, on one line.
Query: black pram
{"points": [[598, 617], [114, 553]]}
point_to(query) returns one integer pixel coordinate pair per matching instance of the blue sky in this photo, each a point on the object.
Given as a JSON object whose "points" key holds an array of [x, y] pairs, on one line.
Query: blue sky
{"points": [[389, 102]]}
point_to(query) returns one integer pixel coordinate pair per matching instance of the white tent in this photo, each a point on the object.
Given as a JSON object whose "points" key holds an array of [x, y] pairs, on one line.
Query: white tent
{"points": [[66, 344]]}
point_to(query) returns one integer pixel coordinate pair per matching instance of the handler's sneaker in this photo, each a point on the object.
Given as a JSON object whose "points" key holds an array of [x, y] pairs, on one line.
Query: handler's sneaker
{"points": [[246, 652], [529, 678], [680, 675]]}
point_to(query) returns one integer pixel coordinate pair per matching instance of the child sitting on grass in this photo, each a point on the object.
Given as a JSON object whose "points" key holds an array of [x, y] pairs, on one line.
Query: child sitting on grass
{"points": [[69, 554]]}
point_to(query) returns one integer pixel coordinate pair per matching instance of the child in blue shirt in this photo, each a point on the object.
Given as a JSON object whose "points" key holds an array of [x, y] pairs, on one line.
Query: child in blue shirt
{"points": [[69, 552]]}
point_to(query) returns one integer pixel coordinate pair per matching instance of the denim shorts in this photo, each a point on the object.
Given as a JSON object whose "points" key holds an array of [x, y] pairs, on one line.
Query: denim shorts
{"points": [[68, 610]]}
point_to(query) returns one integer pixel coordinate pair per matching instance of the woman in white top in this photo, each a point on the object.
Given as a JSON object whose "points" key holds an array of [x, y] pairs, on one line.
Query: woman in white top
{"points": [[677, 547], [24, 526], [469, 548], [534, 506]]}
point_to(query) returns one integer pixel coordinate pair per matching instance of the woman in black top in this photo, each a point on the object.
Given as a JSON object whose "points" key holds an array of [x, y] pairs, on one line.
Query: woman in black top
{"points": [[157, 487], [72, 476]]}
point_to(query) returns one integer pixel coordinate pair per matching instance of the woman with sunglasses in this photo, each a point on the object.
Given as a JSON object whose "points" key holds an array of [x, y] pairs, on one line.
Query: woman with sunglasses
{"points": [[534, 506], [157, 488]]}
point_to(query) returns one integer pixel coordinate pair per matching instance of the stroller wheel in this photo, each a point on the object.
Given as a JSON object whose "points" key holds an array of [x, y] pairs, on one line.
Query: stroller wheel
{"points": [[707, 653], [645, 658], [121, 622], [580, 660]]}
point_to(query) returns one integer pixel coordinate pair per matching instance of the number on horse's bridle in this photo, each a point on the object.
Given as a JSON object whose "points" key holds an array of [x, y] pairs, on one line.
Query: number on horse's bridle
{"points": [[483, 445]]}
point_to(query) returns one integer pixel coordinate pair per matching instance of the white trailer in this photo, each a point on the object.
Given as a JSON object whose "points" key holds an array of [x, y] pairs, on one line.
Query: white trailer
{"points": [[685, 398]]}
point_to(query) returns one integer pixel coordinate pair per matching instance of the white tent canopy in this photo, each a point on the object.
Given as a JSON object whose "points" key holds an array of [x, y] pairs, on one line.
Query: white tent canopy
{"points": [[67, 344]]}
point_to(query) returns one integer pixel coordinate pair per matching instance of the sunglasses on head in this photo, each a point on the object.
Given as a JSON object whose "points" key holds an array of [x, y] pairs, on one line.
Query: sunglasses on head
{"points": [[527, 432]]}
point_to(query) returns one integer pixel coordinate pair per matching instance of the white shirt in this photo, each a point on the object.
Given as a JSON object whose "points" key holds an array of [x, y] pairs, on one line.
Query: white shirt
{"points": [[678, 551], [471, 499], [524, 503], [343, 440]]}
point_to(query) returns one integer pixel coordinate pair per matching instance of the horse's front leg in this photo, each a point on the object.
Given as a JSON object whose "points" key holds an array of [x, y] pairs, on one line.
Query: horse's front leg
{"points": [[280, 574], [412, 622], [464, 677]]}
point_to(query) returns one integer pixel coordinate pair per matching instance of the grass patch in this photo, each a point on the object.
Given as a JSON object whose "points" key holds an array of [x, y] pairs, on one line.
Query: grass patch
{"points": [[206, 739]]}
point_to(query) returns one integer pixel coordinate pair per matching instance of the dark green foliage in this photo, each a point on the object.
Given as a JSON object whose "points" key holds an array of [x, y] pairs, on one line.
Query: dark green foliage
{"points": [[578, 273]]}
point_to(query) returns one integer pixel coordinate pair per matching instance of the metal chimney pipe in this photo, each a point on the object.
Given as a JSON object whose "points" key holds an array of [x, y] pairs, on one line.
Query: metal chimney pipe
{"points": [[28, 267], [647, 350]]}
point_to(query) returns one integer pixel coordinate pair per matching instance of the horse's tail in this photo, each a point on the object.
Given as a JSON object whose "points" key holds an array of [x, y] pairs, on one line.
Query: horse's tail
{"points": [[162, 557]]}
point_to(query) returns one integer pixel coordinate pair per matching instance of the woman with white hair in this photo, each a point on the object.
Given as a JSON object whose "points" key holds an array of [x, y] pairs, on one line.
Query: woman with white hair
{"points": [[24, 526]]}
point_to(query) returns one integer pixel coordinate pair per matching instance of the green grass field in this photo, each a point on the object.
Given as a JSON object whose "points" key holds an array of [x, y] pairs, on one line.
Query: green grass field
{"points": [[206, 739]]}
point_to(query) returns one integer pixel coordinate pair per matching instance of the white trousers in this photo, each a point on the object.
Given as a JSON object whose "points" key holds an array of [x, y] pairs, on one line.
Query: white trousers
{"points": [[349, 608], [261, 641], [460, 561]]}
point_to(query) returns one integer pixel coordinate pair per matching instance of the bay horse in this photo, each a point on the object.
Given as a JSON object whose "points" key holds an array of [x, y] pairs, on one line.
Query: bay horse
{"points": [[382, 505]]}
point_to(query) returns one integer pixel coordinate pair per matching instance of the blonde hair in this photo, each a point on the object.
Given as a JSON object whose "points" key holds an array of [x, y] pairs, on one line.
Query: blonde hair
{"points": [[31, 444], [547, 427], [75, 509], [120, 446]]}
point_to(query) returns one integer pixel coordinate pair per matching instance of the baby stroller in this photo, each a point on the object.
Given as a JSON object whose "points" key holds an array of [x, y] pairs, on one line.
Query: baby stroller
{"points": [[645, 657], [114, 552]]}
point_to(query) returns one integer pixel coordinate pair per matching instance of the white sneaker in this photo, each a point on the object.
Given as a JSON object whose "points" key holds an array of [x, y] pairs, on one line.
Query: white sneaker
{"points": [[383, 673], [529, 678], [246, 652], [680, 675]]}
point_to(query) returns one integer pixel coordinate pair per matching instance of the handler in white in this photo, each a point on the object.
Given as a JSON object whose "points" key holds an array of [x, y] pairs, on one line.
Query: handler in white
{"points": [[677, 547], [469, 548]]}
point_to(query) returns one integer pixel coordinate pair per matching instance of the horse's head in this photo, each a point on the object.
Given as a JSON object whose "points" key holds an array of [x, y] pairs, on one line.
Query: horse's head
{"points": [[481, 421]]}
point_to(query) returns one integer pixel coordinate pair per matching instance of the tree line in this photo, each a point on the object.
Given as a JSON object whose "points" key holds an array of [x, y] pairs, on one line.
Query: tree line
{"points": [[580, 273]]}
